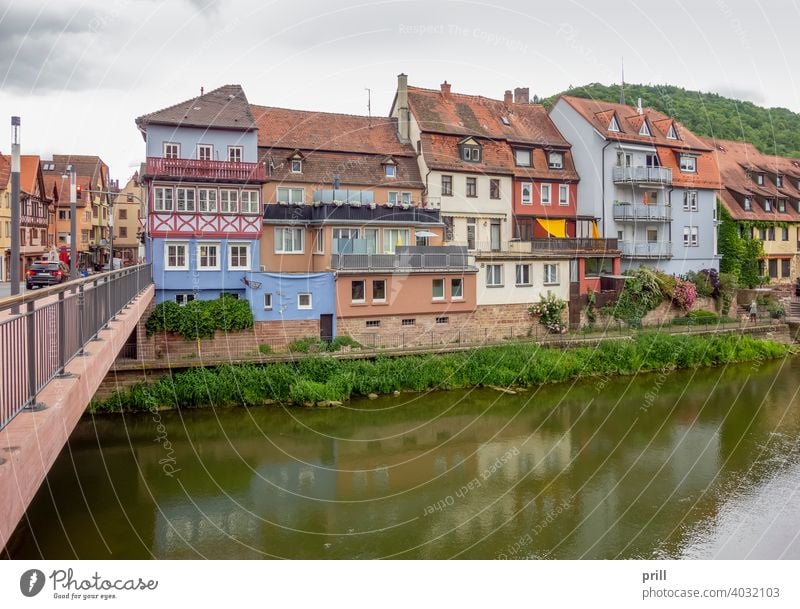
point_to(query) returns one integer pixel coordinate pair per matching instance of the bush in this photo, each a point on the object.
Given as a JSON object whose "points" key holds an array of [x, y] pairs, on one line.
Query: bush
{"points": [[343, 341], [549, 310], [684, 294], [309, 344], [200, 318], [264, 349], [642, 292]]}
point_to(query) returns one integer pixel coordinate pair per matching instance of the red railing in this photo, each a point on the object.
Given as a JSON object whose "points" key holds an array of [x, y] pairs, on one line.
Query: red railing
{"points": [[207, 170]]}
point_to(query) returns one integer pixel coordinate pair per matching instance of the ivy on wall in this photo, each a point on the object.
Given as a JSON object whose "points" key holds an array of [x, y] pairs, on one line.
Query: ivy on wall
{"points": [[740, 254]]}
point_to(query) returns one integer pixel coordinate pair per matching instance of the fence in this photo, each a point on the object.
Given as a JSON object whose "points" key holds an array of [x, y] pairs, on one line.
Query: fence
{"points": [[40, 334]]}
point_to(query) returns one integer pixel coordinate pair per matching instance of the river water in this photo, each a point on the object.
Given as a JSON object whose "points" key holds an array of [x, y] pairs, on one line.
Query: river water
{"points": [[699, 464]]}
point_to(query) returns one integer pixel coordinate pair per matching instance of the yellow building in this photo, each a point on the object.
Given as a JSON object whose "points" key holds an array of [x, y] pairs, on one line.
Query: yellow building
{"points": [[5, 213], [127, 214]]}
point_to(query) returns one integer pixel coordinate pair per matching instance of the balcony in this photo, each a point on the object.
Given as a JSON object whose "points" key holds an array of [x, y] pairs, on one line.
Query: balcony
{"points": [[631, 212], [645, 249], [214, 171], [642, 175], [406, 259]]}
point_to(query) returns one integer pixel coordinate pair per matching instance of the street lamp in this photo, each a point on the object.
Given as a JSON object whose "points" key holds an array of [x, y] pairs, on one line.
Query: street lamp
{"points": [[15, 210], [73, 221]]}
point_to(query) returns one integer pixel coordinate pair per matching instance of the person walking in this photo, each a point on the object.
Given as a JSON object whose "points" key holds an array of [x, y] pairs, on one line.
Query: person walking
{"points": [[753, 311]]}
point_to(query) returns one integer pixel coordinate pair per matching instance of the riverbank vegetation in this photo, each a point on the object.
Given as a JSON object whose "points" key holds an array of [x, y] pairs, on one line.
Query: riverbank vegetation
{"points": [[321, 378], [200, 318]]}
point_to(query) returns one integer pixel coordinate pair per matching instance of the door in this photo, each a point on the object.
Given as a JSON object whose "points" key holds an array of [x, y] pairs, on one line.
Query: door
{"points": [[326, 327], [494, 235]]}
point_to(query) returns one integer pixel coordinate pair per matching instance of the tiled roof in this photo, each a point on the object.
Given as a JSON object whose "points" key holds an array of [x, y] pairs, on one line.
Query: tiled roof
{"points": [[28, 173], [5, 170], [222, 108], [706, 176], [598, 113], [458, 114], [320, 167], [86, 166], [304, 130]]}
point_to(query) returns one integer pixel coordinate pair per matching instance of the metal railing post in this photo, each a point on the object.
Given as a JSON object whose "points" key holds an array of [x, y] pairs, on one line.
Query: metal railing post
{"points": [[62, 338], [96, 325], [81, 297], [30, 345]]}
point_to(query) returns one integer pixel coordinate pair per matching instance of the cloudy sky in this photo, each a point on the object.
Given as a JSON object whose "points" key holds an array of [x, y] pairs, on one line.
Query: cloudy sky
{"points": [[79, 72]]}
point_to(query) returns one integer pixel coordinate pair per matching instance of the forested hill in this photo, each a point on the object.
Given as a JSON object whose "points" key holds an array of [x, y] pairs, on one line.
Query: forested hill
{"points": [[772, 130]]}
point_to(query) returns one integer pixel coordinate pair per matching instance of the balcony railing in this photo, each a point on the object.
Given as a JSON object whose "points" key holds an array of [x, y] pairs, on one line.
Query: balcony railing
{"points": [[644, 249], [407, 259], [645, 175], [158, 167], [638, 211]]}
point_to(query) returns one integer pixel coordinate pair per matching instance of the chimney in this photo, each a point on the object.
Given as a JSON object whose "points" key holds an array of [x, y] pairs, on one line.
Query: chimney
{"points": [[639, 106], [402, 108], [201, 91], [445, 88], [508, 99], [522, 95]]}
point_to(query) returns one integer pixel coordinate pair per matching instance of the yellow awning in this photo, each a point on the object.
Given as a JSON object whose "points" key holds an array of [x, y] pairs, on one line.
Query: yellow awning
{"points": [[556, 228], [595, 230]]}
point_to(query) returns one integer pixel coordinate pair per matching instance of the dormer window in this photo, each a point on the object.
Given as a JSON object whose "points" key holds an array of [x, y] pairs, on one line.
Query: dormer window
{"points": [[390, 171], [767, 204], [672, 134], [613, 125], [782, 205], [470, 150], [760, 179], [522, 157], [748, 204], [779, 181], [688, 163], [297, 166], [504, 120], [645, 130], [555, 160]]}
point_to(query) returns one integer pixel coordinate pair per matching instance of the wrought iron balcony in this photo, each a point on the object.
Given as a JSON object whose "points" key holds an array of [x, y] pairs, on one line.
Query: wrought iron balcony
{"points": [[631, 212], [214, 171], [646, 249], [643, 175]]}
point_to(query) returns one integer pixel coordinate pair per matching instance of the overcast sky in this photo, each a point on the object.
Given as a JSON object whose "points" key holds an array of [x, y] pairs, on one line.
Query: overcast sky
{"points": [[78, 73]]}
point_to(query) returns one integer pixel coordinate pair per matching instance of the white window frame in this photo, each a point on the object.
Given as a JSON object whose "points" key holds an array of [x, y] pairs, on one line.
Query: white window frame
{"points": [[526, 270], [686, 236], [545, 188], [690, 200], [163, 190], [252, 198], [491, 280], [434, 281], [296, 165], [188, 207], [363, 298], [182, 267], [461, 284], [184, 298], [288, 195], [551, 274], [523, 151], [378, 300], [235, 149], [613, 125], [280, 241], [560, 160], [748, 204], [305, 307], [686, 166], [390, 245], [767, 204], [166, 146], [202, 244], [203, 206], [249, 251], [268, 301], [563, 189], [231, 198], [695, 236], [319, 241], [207, 148], [390, 171], [529, 187]]}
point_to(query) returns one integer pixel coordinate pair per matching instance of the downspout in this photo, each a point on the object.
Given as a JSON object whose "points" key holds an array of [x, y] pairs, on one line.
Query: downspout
{"points": [[603, 174], [669, 224]]}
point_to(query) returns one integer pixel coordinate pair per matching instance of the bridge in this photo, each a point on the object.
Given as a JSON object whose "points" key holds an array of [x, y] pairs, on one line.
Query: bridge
{"points": [[56, 346]]}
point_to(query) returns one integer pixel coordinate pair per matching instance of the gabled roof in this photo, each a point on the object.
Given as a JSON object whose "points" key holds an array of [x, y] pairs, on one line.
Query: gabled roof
{"points": [[222, 108], [327, 131], [90, 167], [458, 114], [598, 114]]}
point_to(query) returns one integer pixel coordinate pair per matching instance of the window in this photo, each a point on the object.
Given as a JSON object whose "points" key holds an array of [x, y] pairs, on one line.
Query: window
{"points": [[555, 160], [645, 130], [409, 322], [672, 134], [207, 200], [392, 197], [162, 200], [62, 215], [235, 154], [239, 257], [652, 234], [767, 204], [449, 228], [527, 189], [494, 189], [84, 236], [472, 187], [457, 289], [762, 234], [523, 274], [357, 291], [288, 240], [205, 152], [123, 232], [447, 186], [123, 214], [379, 290], [291, 195], [249, 201], [304, 301], [184, 198], [786, 265], [172, 151], [690, 200], [771, 233], [267, 302], [624, 159], [522, 158], [297, 166], [494, 275], [613, 125], [545, 188], [690, 236], [228, 200], [779, 181], [405, 198], [563, 194], [207, 257], [594, 267], [773, 268], [782, 205], [175, 256], [319, 241], [471, 233], [371, 235], [392, 237], [390, 171], [373, 323], [748, 204], [182, 299], [442, 320], [471, 153], [760, 179], [550, 274], [438, 289], [784, 233], [686, 236], [688, 164]]}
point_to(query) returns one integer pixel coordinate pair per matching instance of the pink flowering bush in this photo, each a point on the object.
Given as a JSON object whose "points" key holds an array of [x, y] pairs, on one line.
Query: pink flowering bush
{"points": [[549, 310], [684, 294]]}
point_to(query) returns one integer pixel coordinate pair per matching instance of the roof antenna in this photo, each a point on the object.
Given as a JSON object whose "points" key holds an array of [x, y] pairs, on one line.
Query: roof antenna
{"points": [[622, 87], [369, 106]]}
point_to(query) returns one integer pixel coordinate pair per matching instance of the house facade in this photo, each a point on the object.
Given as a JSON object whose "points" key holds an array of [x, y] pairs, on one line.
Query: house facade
{"points": [[128, 216], [650, 181], [202, 185], [5, 214]]}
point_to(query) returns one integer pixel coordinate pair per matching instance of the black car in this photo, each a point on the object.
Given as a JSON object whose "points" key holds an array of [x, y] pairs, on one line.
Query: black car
{"points": [[46, 273]]}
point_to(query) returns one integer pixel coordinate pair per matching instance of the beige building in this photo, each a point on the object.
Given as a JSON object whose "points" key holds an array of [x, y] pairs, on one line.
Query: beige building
{"points": [[5, 212], [127, 221]]}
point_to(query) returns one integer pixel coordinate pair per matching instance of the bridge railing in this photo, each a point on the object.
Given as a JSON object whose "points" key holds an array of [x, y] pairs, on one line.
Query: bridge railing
{"points": [[42, 331]]}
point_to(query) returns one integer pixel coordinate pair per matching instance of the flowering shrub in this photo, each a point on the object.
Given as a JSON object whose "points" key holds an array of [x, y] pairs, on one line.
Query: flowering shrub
{"points": [[549, 309], [684, 294]]}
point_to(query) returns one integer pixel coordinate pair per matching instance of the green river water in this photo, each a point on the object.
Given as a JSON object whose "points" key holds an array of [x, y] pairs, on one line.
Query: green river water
{"points": [[700, 464]]}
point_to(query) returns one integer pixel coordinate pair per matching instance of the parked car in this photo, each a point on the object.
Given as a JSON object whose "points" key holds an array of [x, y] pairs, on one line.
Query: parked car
{"points": [[46, 273]]}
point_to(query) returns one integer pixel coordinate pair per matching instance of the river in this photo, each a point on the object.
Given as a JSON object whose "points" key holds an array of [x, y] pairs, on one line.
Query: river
{"points": [[698, 464]]}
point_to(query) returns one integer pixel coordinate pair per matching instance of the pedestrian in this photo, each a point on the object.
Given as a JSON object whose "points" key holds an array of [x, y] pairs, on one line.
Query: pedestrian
{"points": [[753, 310]]}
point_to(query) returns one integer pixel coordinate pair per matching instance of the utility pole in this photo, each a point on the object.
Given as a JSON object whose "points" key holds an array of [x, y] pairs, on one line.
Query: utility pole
{"points": [[15, 210], [73, 222], [111, 234]]}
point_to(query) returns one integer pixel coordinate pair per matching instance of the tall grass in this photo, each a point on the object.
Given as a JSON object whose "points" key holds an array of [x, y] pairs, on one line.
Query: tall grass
{"points": [[318, 378]]}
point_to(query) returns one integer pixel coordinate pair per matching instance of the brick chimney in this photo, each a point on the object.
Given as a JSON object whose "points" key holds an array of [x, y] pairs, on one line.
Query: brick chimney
{"points": [[402, 108], [445, 88], [522, 95], [508, 99]]}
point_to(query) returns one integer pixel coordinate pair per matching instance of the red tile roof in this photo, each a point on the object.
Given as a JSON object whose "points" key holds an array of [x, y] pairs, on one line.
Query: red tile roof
{"points": [[28, 173], [222, 108], [5, 170]]}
